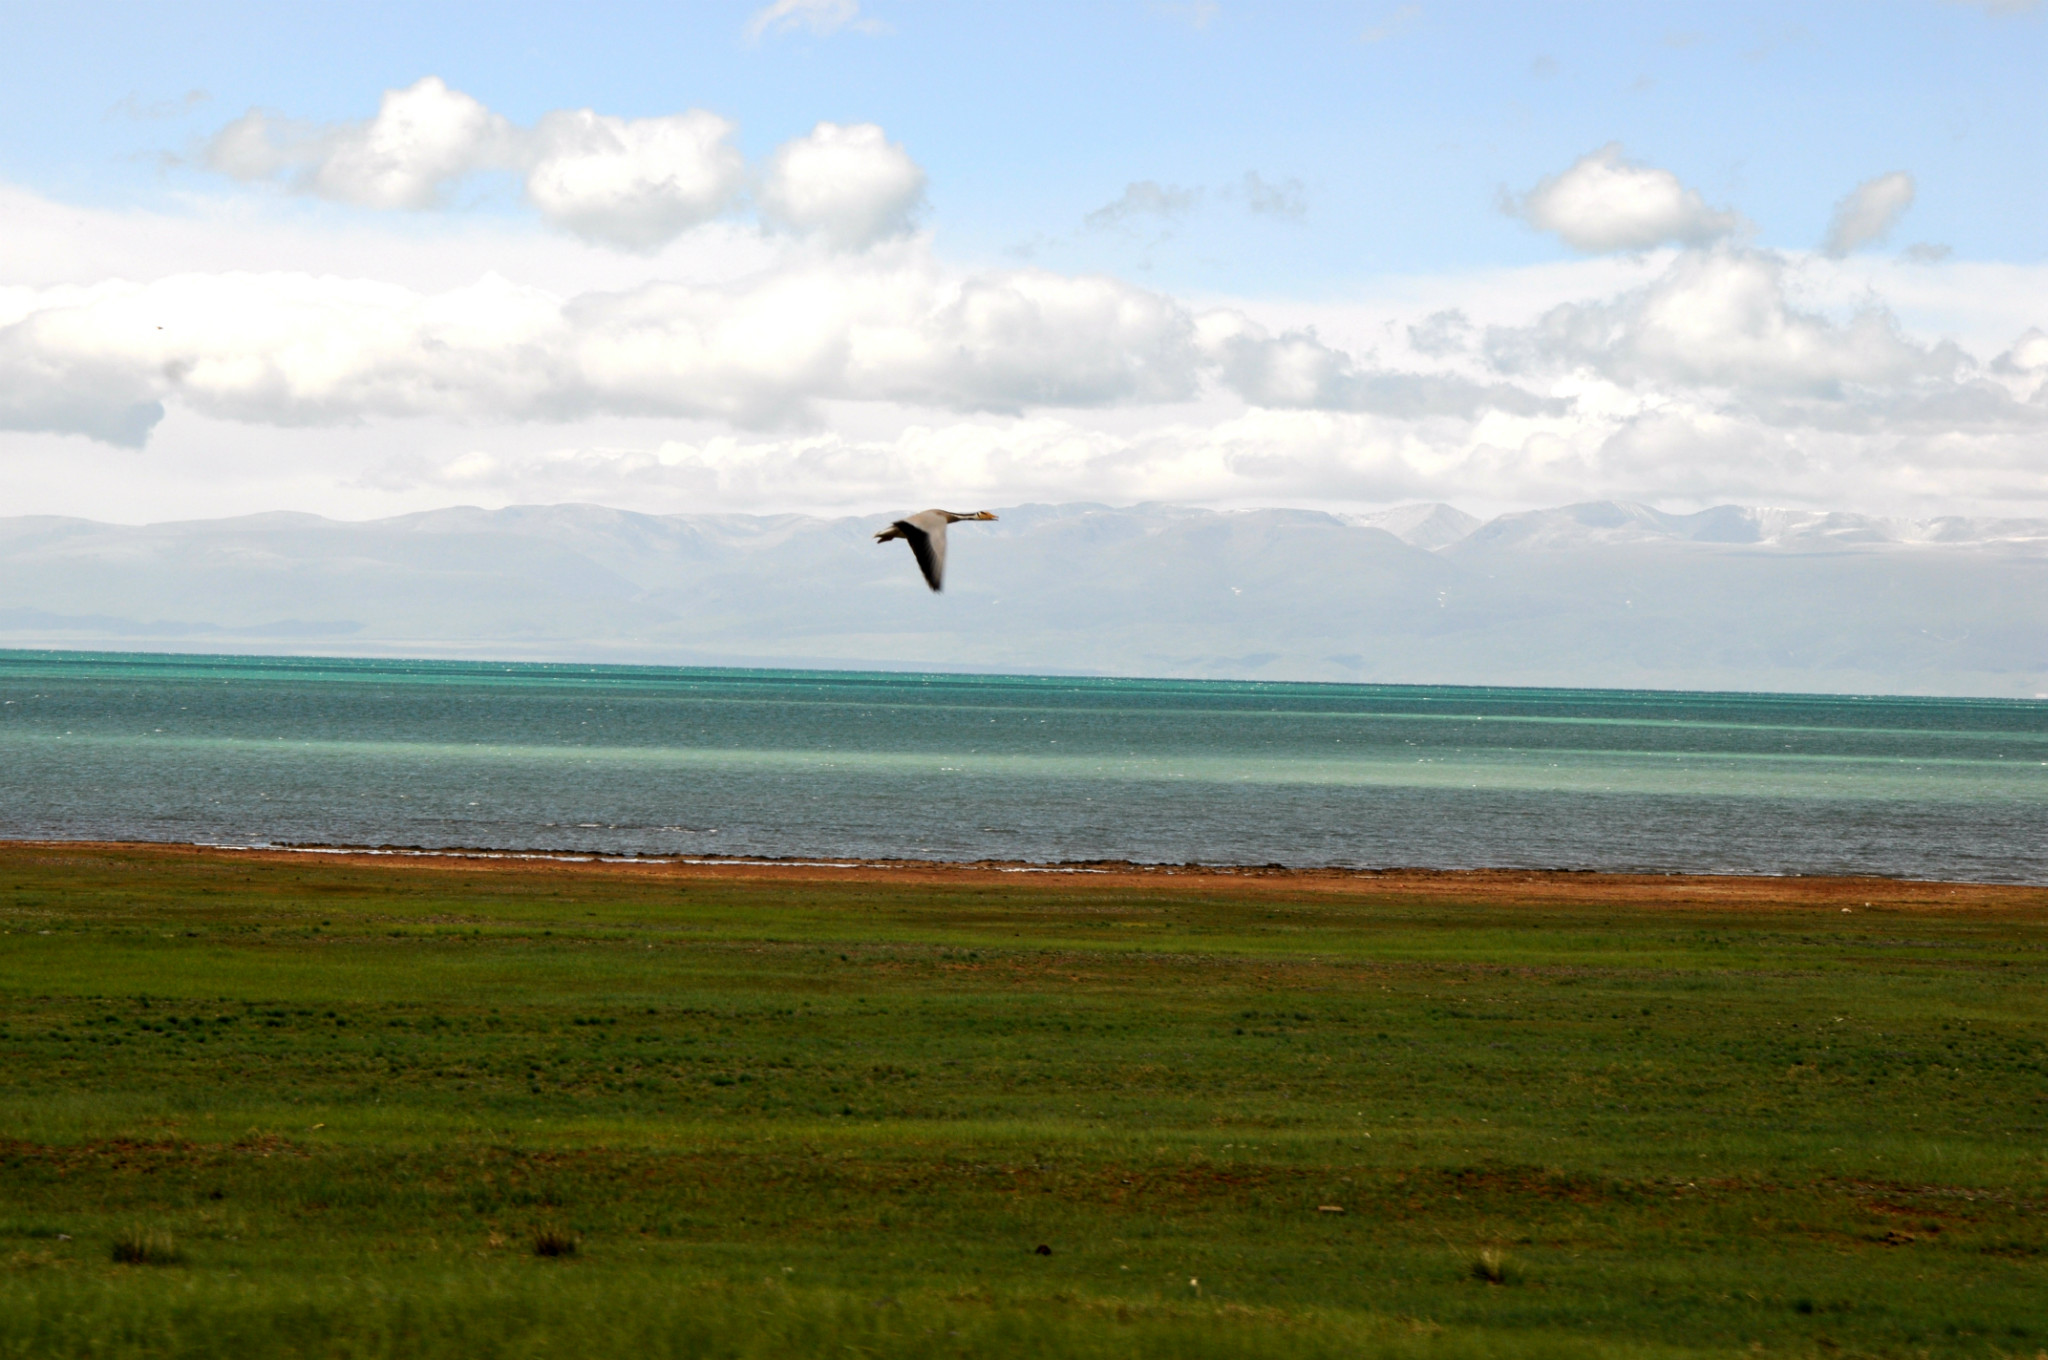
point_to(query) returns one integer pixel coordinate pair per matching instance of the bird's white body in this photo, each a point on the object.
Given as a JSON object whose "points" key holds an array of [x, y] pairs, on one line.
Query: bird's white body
{"points": [[925, 532]]}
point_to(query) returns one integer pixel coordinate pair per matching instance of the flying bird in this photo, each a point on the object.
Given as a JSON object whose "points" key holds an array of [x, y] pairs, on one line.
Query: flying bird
{"points": [[925, 532]]}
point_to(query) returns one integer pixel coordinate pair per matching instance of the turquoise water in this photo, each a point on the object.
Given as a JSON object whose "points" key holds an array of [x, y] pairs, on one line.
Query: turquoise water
{"points": [[811, 763]]}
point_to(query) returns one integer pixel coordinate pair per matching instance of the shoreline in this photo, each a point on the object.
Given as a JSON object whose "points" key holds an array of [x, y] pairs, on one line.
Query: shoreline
{"points": [[1846, 893]]}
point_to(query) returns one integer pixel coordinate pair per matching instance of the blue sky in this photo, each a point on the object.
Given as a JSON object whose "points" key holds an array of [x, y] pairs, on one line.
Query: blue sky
{"points": [[1029, 117], [1337, 171]]}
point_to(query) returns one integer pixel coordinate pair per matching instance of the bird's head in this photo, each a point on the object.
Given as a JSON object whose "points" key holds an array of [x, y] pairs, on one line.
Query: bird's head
{"points": [[979, 514]]}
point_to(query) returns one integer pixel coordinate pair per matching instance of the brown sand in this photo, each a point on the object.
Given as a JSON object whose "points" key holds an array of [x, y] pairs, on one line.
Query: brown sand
{"points": [[1690, 892]]}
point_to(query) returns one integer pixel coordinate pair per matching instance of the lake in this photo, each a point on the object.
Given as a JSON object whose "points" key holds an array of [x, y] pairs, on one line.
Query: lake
{"points": [[710, 763]]}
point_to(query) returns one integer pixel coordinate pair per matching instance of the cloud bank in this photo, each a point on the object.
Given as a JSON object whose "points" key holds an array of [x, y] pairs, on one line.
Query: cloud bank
{"points": [[895, 327], [832, 359], [291, 349], [1723, 373]]}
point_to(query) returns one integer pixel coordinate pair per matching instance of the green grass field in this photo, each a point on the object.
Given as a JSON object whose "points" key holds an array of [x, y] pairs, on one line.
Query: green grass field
{"points": [[300, 1106]]}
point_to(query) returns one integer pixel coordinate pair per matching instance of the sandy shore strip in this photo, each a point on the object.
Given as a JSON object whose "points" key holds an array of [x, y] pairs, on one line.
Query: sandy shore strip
{"points": [[1481, 886]]}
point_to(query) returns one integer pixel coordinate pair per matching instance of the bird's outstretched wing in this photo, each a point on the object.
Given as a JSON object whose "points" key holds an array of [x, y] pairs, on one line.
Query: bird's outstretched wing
{"points": [[928, 548]]}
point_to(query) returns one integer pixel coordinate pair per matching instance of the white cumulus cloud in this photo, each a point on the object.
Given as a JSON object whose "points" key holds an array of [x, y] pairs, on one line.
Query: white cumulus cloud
{"points": [[2029, 354], [1605, 202], [847, 185], [630, 183], [423, 138], [1723, 330], [1722, 318], [2024, 367], [633, 183], [1868, 212]]}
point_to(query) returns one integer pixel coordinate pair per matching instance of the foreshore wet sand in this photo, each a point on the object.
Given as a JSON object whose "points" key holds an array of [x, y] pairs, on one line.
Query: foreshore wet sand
{"points": [[1504, 887]]}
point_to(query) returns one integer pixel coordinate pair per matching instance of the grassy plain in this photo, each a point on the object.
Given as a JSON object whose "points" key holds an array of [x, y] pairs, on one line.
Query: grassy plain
{"points": [[327, 1106]]}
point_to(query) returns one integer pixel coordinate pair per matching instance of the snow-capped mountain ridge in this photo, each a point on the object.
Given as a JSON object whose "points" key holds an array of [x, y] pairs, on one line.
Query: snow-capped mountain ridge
{"points": [[1764, 526], [1597, 594]]}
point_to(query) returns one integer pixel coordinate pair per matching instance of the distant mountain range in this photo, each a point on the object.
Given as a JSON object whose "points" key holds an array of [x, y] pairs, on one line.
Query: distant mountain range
{"points": [[1601, 594]]}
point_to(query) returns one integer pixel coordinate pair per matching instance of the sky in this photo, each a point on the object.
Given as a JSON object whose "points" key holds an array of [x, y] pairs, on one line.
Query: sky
{"points": [[846, 256]]}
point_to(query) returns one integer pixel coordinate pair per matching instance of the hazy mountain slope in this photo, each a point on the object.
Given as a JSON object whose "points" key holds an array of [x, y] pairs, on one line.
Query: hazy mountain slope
{"points": [[1429, 526], [1598, 594]]}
